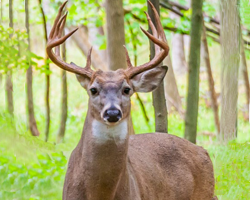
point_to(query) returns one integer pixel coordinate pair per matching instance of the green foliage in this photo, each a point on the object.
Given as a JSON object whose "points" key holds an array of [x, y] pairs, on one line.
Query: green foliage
{"points": [[11, 43], [184, 2], [210, 8], [29, 167], [14, 50], [184, 24], [245, 13]]}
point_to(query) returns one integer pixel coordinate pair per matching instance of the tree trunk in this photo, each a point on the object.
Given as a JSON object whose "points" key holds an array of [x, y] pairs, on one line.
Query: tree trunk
{"points": [[171, 89], [179, 60], [47, 76], [186, 38], [193, 71], [115, 34], [213, 95], [9, 84], [245, 74], [64, 100], [178, 52], [31, 117], [159, 101], [9, 92], [230, 48], [47, 101]]}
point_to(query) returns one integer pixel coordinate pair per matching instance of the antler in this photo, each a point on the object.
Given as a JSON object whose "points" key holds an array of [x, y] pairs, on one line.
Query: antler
{"points": [[161, 46], [55, 39]]}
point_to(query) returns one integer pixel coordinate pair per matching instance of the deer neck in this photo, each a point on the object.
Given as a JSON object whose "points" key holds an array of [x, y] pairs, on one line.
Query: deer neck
{"points": [[105, 151]]}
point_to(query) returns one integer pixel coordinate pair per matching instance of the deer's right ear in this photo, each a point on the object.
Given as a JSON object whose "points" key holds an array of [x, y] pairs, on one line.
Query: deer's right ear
{"points": [[149, 80], [83, 80]]}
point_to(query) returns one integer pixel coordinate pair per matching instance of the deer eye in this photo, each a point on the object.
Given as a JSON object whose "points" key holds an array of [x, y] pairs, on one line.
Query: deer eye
{"points": [[126, 90], [93, 91]]}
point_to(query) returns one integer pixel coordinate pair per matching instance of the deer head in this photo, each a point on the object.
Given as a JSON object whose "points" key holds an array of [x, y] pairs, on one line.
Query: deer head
{"points": [[110, 91]]}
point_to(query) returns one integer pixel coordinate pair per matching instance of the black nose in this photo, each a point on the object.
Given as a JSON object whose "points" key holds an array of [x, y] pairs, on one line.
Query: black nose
{"points": [[112, 115]]}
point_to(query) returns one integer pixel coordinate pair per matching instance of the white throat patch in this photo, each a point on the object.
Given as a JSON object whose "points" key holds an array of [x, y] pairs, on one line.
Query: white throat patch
{"points": [[103, 133]]}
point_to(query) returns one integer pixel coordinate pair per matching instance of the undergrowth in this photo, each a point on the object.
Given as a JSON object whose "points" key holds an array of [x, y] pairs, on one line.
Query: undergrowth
{"points": [[33, 169]]}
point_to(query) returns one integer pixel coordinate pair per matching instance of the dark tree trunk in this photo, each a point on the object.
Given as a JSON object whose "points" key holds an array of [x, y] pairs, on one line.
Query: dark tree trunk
{"points": [[115, 34], [9, 84], [159, 100], [47, 77], [64, 100], [193, 71], [47, 102], [245, 75], [31, 117], [213, 95], [230, 49], [9, 92], [187, 37]]}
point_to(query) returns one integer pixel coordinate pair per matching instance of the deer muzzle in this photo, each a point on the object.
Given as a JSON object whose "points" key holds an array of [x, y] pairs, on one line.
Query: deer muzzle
{"points": [[112, 115]]}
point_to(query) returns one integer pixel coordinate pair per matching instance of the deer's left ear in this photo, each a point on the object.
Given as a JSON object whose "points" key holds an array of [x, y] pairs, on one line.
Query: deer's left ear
{"points": [[149, 80]]}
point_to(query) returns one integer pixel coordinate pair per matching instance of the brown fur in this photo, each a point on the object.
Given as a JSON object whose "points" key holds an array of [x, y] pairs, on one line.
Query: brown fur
{"points": [[154, 166], [111, 164]]}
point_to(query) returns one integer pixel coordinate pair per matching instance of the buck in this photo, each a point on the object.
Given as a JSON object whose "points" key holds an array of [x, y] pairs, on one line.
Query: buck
{"points": [[111, 164]]}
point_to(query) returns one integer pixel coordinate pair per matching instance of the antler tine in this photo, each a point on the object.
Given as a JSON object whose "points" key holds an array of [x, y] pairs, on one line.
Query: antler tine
{"points": [[59, 31], [152, 26], [61, 24], [128, 58], [161, 45], [88, 64], [57, 19], [154, 39], [154, 31], [158, 22], [56, 39]]}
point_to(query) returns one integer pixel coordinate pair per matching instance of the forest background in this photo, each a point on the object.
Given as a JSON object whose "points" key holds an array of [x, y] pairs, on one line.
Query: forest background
{"points": [[34, 167]]}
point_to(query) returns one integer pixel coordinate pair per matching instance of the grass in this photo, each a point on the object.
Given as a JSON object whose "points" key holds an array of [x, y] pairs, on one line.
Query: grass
{"points": [[232, 170], [33, 169]]}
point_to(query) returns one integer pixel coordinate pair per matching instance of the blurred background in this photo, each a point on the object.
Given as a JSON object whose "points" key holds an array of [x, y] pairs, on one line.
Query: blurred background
{"points": [[42, 108]]}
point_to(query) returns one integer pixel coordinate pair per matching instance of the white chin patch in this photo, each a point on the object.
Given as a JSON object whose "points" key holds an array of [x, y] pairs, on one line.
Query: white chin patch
{"points": [[104, 133]]}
